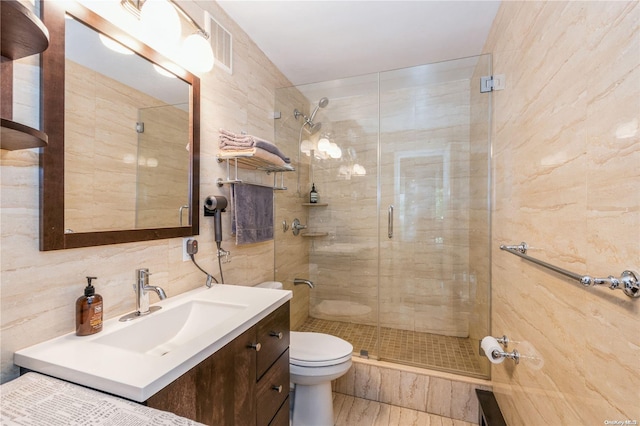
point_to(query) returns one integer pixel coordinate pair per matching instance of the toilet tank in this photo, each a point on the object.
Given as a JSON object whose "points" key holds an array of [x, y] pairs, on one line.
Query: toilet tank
{"points": [[271, 284]]}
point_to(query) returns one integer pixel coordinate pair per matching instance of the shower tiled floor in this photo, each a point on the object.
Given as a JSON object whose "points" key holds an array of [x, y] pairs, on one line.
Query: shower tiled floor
{"points": [[425, 350]]}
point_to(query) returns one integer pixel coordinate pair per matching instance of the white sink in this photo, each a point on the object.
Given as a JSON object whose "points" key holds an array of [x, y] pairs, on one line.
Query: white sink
{"points": [[163, 331], [138, 358]]}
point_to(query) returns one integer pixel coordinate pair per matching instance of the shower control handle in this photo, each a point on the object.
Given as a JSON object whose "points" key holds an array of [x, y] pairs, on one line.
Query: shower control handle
{"points": [[390, 223], [296, 226]]}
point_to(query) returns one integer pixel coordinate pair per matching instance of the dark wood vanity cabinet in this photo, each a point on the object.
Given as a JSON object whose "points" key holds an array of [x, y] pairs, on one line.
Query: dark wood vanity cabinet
{"points": [[244, 383]]}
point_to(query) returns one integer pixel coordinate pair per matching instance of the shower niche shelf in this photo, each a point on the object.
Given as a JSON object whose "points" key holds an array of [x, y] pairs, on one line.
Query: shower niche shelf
{"points": [[315, 204]]}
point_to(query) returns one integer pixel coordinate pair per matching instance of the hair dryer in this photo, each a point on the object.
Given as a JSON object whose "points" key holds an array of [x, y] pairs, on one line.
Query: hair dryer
{"points": [[213, 206]]}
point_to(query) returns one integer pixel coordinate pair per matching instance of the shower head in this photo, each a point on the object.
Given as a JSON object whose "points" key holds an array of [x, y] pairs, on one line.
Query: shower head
{"points": [[323, 102], [313, 128]]}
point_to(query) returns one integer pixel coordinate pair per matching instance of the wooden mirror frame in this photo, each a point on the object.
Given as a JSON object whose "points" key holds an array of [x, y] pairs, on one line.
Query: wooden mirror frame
{"points": [[52, 208]]}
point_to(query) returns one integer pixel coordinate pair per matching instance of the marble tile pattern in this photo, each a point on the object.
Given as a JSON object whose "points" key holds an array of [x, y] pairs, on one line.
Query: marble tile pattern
{"points": [[351, 411], [39, 289], [566, 149], [291, 252], [426, 391]]}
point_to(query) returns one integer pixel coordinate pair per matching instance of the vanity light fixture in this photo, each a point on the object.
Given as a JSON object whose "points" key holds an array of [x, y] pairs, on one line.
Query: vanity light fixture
{"points": [[161, 19]]}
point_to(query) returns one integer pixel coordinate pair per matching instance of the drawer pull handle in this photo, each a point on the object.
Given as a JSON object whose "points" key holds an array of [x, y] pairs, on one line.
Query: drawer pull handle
{"points": [[277, 388], [277, 334], [256, 346]]}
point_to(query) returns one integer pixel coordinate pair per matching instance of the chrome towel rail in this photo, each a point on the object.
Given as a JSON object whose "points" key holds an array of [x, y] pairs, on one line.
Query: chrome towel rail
{"points": [[629, 281]]}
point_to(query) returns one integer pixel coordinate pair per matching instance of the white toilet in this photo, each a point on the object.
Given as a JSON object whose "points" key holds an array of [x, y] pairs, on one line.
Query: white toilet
{"points": [[315, 359]]}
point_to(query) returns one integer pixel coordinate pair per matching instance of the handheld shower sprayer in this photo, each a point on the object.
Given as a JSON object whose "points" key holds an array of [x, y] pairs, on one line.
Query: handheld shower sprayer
{"points": [[323, 102]]}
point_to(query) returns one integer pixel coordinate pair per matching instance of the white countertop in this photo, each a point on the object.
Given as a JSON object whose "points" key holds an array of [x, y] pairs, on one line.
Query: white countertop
{"points": [[138, 376]]}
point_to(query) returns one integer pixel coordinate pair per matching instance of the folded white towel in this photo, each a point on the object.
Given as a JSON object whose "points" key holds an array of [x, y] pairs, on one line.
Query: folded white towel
{"points": [[232, 141]]}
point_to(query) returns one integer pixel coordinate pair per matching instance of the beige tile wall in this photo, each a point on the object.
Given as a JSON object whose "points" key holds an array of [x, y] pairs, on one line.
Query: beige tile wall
{"points": [[566, 152], [39, 289], [291, 252]]}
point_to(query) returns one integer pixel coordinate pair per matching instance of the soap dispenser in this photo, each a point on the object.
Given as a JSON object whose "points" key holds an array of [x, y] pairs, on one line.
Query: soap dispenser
{"points": [[89, 311], [313, 195]]}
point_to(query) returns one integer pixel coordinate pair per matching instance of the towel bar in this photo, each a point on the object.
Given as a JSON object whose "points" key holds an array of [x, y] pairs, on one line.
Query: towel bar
{"points": [[629, 281]]}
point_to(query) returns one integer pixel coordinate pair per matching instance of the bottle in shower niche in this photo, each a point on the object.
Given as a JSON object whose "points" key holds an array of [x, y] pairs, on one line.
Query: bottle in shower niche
{"points": [[89, 311], [313, 195]]}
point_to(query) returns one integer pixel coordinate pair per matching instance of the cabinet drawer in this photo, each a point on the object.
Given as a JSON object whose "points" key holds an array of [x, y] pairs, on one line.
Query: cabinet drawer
{"points": [[282, 416], [273, 336], [272, 390]]}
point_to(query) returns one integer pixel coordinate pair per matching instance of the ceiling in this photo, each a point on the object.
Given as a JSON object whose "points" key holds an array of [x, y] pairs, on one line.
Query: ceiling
{"points": [[314, 41]]}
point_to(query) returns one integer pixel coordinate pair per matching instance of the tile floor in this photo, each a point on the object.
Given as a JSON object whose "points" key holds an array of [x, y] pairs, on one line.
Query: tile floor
{"points": [[427, 350], [351, 411]]}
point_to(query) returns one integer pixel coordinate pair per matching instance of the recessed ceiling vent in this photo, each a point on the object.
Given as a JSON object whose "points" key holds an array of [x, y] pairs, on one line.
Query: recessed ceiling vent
{"points": [[222, 43]]}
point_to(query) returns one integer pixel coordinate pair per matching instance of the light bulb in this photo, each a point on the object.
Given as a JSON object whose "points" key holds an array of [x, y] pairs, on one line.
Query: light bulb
{"points": [[324, 145], [161, 23], [358, 170], [162, 71], [114, 45], [335, 151], [197, 53], [306, 146]]}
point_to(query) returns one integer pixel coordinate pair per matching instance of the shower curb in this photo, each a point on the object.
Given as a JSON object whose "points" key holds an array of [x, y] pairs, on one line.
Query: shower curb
{"points": [[445, 394]]}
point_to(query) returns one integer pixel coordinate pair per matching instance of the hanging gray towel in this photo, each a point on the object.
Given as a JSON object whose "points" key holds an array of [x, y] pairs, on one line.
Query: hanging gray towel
{"points": [[252, 220]]}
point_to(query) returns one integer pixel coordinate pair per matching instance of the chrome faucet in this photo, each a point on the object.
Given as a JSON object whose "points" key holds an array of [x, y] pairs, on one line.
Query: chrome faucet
{"points": [[142, 288], [298, 281]]}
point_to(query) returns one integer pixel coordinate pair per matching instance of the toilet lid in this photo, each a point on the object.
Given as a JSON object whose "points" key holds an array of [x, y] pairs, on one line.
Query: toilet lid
{"points": [[317, 349]]}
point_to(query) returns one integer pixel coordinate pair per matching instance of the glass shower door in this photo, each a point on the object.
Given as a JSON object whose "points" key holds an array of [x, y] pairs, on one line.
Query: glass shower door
{"points": [[434, 220]]}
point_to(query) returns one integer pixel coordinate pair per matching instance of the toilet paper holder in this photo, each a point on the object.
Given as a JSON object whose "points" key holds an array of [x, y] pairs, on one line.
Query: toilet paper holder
{"points": [[497, 354], [514, 355]]}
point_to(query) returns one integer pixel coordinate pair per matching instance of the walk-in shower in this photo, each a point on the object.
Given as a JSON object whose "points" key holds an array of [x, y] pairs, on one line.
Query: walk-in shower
{"points": [[398, 246]]}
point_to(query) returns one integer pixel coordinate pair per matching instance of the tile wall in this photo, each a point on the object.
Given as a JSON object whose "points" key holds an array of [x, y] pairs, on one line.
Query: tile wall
{"points": [[566, 149]]}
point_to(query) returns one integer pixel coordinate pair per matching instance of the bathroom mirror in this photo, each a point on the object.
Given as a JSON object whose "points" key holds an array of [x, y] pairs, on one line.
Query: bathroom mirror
{"points": [[122, 163]]}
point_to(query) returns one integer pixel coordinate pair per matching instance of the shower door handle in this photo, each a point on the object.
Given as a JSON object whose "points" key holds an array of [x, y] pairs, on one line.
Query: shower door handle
{"points": [[390, 222]]}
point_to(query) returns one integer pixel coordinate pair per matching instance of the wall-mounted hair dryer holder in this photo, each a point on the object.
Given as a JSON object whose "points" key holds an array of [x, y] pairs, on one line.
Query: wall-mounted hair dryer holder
{"points": [[213, 206]]}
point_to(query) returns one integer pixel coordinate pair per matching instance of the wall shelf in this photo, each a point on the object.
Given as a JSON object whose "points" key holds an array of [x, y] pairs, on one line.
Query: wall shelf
{"points": [[250, 161], [315, 204], [18, 136], [22, 34]]}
